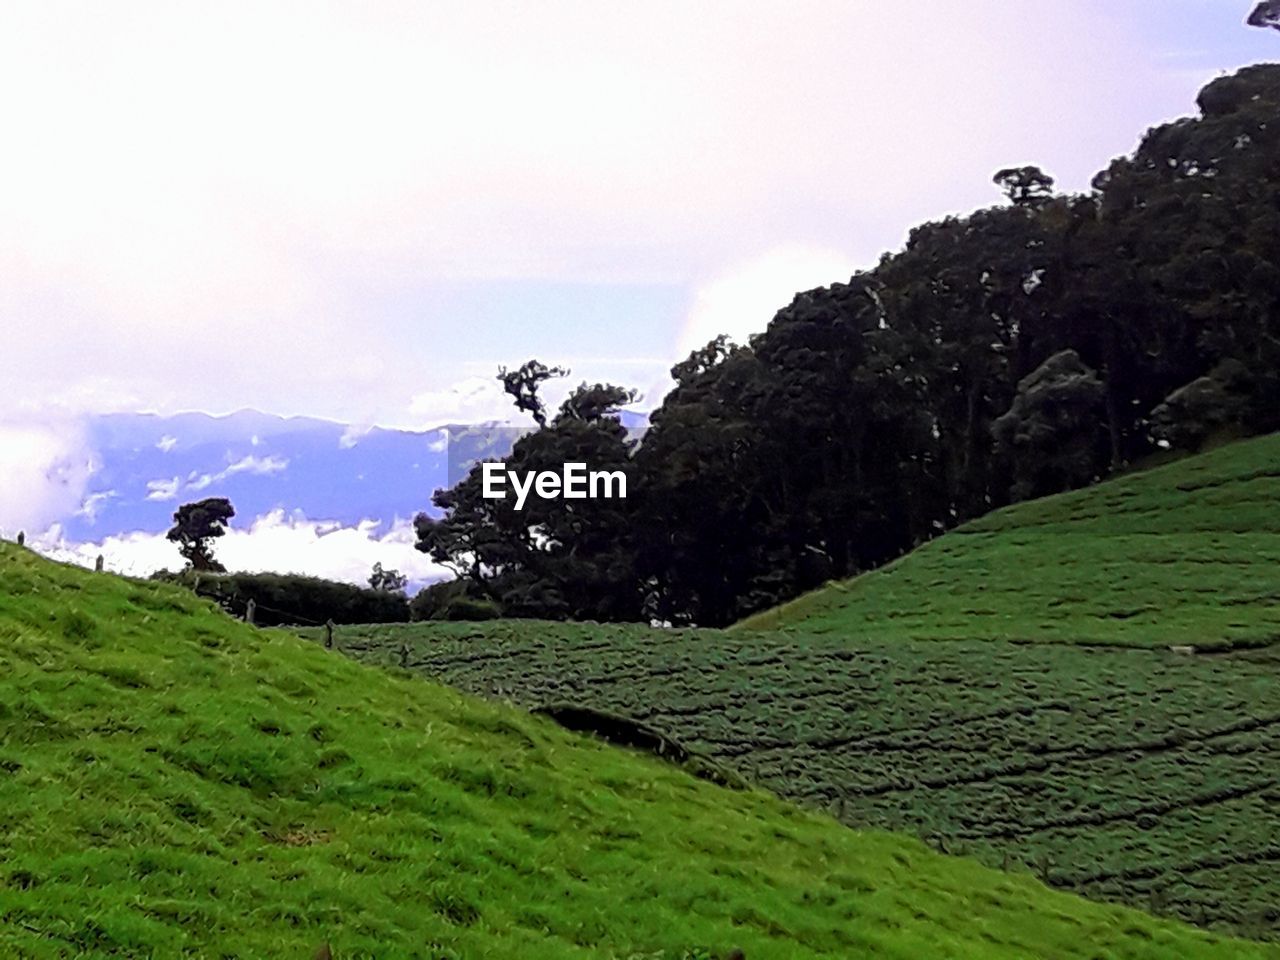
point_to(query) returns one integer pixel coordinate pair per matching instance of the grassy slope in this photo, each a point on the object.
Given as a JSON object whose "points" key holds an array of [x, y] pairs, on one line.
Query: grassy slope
{"points": [[175, 784], [1127, 774], [1183, 554]]}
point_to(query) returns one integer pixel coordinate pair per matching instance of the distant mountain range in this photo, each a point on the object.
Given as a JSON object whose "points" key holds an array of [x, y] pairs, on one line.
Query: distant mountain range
{"points": [[146, 465]]}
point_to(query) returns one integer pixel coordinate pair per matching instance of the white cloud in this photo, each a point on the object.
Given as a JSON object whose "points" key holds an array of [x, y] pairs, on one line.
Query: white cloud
{"points": [[440, 444], [260, 466], [44, 471], [352, 436], [742, 300], [253, 189], [162, 490], [473, 400], [134, 554], [93, 503], [166, 443], [279, 542]]}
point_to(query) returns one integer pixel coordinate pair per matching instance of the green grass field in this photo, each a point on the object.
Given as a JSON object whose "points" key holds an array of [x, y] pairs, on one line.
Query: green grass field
{"points": [[1132, 775], [1187, 553], [174, 784], [921, 699]]}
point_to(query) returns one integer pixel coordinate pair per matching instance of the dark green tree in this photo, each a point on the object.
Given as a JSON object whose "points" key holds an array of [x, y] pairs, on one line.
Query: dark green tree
{"points": [[703, 530], [1216, 404], [1025, 186], [555, 557], [1266, 14], [195, 526], [1018, 351], [387, 581], [1053, 431], [523, 383], [466, 538]]}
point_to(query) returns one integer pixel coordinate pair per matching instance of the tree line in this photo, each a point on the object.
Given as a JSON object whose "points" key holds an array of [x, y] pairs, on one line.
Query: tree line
{"points": [[276, 598], [1033, 347]]}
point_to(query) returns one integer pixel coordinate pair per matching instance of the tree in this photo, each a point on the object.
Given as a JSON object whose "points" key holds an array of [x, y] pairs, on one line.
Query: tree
{"points": [[556, 558], [701, 528], [523, 383], [1215, 403], [1266, 14], [594, 402], [1053, 430], [387, 581], [195, 525], [1025, 186], [465, 539], [452, 600], [1078, 331]]}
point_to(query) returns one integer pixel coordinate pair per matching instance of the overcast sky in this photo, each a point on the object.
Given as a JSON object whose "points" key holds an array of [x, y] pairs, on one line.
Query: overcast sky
{"points": [[358, 210]]}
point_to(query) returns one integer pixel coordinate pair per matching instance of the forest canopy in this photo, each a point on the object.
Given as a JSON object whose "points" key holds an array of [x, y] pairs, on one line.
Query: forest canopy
{"points": [[1022, 350]]}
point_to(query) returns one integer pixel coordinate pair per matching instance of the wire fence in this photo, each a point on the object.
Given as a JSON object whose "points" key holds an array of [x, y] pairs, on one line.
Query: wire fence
{"points": [[244, 607]]}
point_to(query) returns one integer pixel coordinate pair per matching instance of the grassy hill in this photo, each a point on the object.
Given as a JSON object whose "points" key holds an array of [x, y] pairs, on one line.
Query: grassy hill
{"points": [[1115, 767], [174, 784], [1124, 774], [1187, 553]]}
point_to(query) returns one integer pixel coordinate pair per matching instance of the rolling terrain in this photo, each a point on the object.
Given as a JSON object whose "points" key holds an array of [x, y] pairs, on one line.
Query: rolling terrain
{"points": [[1140, 776], [176, 784], [1184, 554], [1025, 709]]}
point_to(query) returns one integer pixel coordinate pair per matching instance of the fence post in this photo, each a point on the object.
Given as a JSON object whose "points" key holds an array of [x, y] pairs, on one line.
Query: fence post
{"points": [[22, 538], [249, 611], [328, 635], [98, 564]]}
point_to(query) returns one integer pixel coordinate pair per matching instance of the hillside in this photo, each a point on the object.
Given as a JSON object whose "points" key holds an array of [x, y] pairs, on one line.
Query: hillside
{"points": [[1123, 774], [1184, 554], [176, 784], [1100, 759]]}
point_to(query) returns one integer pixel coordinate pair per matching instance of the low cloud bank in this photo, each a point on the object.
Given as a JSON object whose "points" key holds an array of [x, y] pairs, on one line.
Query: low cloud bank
{"points": [[274, 542]]}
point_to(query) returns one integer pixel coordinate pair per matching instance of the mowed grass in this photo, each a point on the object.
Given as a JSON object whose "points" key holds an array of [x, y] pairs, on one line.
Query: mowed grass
{"points": [[1125, 774], [1184, 554], [174, 784]]}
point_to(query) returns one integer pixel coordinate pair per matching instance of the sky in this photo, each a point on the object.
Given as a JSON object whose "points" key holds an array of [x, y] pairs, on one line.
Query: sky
{"points": [[358, 211]]}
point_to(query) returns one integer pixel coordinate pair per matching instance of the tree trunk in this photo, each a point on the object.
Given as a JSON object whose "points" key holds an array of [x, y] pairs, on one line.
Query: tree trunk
{"points": [[1113, 410]]}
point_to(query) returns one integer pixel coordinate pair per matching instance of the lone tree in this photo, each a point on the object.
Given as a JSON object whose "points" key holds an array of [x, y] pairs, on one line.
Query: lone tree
{"points": [[195, 525], [523, 383], [387, 581]]}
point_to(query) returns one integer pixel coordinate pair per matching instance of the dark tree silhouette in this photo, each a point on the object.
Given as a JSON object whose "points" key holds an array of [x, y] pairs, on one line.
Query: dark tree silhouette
{"points": [[195, 525], [1020, 350], [556, 558], [523, 383], [1025, 186], [1266, 14], [1053, 429], [387, 581]]}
